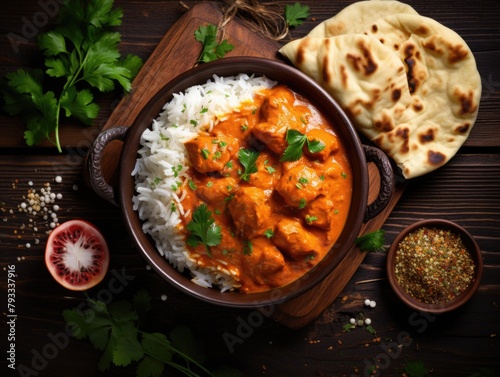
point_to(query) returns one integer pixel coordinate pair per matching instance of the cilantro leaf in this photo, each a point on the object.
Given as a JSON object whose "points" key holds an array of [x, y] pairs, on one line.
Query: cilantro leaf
{"points": [[127, 348], [315, 146], [26, 82], [52, 43], [79, 104], [82, 47], [150, 367], [183, 340], [296, 141], [248, 159], [371, 241], [102, 14], [113, 328], [415, 369], [212, 50], [142, 302], [45, 113], [58, 67], [202, 229], [296, 14], [155, 343]]}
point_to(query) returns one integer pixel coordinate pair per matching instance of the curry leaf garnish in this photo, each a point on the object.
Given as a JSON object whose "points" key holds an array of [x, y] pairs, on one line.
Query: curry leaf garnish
{"points": [[296, 14], [371, 241], [296, 141], [81, 49], [248, 158], [212, 50], [203, 229]]}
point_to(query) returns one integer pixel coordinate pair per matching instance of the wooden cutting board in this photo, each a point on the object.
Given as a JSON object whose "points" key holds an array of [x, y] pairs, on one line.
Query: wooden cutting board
{"points": [[176, 53]]}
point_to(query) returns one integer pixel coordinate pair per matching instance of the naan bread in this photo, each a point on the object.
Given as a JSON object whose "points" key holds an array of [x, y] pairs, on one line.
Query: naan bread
{"points": [[364, 76], [354, 18], [441, 77], [445, 87]]}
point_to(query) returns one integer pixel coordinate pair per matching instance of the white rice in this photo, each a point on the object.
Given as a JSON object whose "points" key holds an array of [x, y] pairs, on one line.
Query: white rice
{"points": [[160, 171]]}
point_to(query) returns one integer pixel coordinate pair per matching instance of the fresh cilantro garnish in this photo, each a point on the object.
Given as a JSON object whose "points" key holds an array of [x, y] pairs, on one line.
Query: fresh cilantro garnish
{"points": [[311, 219], [415, 369], [296, 141], [192, 185], [346, 327], [296, 14], [205, 153], [82, 49], [247, 247], [315, 146], [269, 233], [202, 229], [212, 50], [248, 158], [371, 241], [370, 329], [114, 328], [270, 169], [302, 203]]}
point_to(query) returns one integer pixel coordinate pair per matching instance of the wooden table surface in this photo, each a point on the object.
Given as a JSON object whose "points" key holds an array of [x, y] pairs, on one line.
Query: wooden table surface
{"points": [[466, 190]]}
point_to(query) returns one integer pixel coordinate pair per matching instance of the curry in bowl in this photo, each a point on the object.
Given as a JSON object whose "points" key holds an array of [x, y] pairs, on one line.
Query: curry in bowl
{"points": [[243, 182]]}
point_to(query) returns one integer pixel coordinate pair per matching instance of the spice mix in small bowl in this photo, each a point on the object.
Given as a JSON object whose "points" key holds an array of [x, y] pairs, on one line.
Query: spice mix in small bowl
{"points": [[434, 266]]}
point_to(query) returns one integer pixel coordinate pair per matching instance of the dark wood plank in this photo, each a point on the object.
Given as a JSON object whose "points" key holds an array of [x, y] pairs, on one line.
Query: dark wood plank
{"points": [[465, 191], [476, 21]]}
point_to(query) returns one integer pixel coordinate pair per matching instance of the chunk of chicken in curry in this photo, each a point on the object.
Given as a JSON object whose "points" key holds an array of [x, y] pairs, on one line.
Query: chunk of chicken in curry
{"points": [[277, 219]]}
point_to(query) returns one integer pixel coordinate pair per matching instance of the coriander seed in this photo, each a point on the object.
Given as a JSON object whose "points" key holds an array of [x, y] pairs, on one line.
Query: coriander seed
{"points": [[433, 265]]}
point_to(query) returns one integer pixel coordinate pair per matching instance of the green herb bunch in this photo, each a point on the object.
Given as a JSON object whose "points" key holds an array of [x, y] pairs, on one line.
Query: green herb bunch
{"points": [[115, 329], [81, 53]]}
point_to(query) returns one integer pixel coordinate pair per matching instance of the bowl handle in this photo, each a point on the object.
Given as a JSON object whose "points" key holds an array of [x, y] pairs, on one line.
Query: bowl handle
{"points": [[383, 164], [95, 176]]}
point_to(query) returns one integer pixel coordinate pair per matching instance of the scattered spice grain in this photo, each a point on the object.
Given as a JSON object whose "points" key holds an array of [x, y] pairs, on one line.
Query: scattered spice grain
{"points": [[433, 265]]}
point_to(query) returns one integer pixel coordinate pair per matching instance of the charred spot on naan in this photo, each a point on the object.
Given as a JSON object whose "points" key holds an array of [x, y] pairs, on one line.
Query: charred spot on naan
{"points": [[463, 128], [300, 57], [384, 124], [326, 72], [404, 134], [365, 63], [410, 61], [435, 158], [417, 105], [344, 77], [467, 105], [456, 52], [427, 136]]}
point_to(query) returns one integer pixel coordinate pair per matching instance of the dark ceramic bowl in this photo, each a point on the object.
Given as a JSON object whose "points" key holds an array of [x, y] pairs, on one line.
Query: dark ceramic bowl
{"points": [[297, 81], [471, 246]]}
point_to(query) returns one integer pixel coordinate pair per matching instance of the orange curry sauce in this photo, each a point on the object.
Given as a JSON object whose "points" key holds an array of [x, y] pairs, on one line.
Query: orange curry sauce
{"points": [[282, 220]]}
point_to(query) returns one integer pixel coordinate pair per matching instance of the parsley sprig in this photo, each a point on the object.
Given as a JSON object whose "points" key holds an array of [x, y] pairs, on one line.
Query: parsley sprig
{"points": [[296, 14], [203, 229], [248, 159], [415, 369], [372, 241], [81, 52], [212, 49], [296, 141], [115, 329]]}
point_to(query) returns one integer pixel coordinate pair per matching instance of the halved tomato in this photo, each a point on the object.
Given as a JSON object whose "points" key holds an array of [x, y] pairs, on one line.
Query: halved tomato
{"points": [[77, 255]]}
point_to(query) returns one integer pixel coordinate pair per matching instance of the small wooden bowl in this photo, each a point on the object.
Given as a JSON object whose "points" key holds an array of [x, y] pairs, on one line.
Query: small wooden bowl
{"points": [[471, 246]]}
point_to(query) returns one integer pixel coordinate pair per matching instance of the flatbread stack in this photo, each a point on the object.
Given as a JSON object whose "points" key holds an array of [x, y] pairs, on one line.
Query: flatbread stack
{"points": [[407, 82]]}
